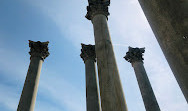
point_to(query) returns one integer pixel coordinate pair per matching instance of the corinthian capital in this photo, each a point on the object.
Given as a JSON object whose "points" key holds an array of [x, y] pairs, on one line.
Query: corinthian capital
{"points": [[97, 7], [88, 52], [39, 49], [134, 54]]}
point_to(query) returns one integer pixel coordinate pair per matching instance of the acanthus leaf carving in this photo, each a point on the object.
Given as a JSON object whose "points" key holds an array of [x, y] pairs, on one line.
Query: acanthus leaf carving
{"points": [[39, 49], [88, 52], [97, 7], [134, 54]]}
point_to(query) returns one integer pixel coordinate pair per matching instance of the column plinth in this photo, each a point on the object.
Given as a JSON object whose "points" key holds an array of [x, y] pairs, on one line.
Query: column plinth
{"points": [[134, 56], [92, 94], [111, 92], [38, 52]]}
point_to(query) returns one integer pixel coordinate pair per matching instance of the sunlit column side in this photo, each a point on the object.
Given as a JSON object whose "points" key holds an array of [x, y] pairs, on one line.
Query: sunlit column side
{"points": [[169, 22], [92, 94], [111, 92], [134, 56], [38, 52]]}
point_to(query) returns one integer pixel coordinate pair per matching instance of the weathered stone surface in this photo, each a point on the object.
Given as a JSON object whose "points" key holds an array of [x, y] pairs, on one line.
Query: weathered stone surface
{"points": [[111, 92], [134, 54], [169, 22], [148, 96], [92, 94], [39, 51], [97, 7], [135, 57], [88, 52]]}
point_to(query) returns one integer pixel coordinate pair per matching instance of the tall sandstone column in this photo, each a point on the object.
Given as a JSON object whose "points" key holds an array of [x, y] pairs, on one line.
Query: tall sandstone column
{"points": [[134, 56], [169, 22], [92, 94], [111, 92], [38, 52]]}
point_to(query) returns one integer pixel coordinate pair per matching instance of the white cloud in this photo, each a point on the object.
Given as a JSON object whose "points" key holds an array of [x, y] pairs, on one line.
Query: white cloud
{"points": [[128, 27], [70, 18], [8, 97], [61, 92]]}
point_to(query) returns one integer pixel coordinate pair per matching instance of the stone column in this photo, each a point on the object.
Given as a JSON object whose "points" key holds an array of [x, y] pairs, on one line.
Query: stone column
{"points": [[38, 52], [169, 22], [134, 56], [92, 94], [111, 92]]}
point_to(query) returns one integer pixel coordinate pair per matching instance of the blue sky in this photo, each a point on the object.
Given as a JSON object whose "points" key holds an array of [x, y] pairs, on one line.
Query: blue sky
{"points": [[62, 81]]}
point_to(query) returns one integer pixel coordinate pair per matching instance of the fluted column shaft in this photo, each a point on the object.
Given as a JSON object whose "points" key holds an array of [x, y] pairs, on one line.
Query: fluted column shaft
{"points": [[111, 92], [29, 92], [135, 57], [92, 93], [169, 22]]}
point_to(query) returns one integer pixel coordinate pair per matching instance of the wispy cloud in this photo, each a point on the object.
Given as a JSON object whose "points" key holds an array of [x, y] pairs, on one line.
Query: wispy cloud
{"points": [[8, 98], [62, 92], [128, 27], [69, 17]]}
